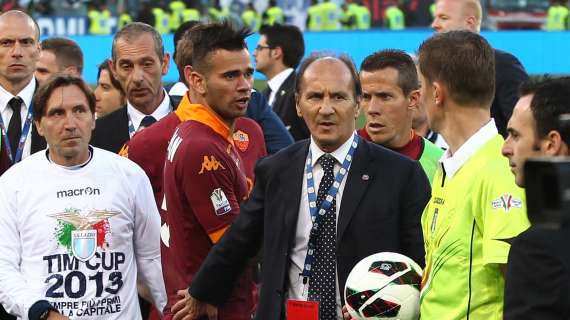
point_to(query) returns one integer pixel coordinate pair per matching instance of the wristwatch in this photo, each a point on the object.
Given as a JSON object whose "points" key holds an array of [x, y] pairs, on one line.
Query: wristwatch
{"points": [[44, 315]]}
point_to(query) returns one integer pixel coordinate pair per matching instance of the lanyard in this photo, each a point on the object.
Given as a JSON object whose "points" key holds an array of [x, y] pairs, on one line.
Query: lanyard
{"points": [[318, 213], [132, 130], [23, 136]]}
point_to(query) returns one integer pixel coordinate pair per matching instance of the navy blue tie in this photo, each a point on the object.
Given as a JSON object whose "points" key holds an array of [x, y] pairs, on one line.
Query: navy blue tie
{"points": [[146, 122]]}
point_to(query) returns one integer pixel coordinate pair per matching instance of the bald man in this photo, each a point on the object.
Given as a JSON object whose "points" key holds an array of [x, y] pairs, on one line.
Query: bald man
{"points": [[19, 52], [509, 72]]}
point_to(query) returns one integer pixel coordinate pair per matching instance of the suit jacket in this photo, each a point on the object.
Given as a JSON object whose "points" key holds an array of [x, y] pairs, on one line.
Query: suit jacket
{"points": [[378, 213], [112, 131], [284, 106], [538, 276], [38, 143], [509, 75]]}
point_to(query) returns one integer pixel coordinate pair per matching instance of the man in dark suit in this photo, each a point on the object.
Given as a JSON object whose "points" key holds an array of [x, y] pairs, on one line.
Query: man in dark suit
{"points": [[509, 72], [538, 271], [376, 196], [18, 60], [277, 54], [138, 62]]}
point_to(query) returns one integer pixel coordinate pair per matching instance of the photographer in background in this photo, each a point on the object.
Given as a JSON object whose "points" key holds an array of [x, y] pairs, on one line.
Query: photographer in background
{"points": [[538, 273]]}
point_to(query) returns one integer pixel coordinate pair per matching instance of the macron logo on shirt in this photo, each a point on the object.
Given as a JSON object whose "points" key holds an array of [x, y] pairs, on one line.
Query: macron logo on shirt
{"points": [[88, 191]]}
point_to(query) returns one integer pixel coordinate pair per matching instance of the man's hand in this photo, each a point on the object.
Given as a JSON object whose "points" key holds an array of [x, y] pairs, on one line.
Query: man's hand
{"points": [[345, 314], [189, 308], [53, 315]]}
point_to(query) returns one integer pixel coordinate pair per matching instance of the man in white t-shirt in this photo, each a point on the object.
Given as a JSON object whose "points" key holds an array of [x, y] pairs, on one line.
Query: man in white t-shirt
{"points": [[78, 223]]}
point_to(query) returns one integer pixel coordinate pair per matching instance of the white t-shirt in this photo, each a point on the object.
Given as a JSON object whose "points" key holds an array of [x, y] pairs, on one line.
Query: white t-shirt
{"points": [[76, 237]]}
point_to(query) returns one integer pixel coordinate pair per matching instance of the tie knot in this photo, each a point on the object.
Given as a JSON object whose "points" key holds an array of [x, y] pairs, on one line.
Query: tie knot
{"points": [[15, 104], [327, 161], [147, 121]]}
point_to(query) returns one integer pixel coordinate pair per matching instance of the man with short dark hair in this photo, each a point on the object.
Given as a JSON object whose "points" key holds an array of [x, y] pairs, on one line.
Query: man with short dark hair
{"points": [[369, 200], [76, 239], [538, 272], [475, 208], [510, 73], [390, 96], [138, 62], [19, 54], [208, 168], [276, 135], [278, 52], [59, 55]]}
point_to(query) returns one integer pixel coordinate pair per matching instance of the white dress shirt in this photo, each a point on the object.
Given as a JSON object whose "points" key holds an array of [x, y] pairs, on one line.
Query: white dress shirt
{"points": [[452, 163], [276, 82], [26, 95], [298, 291], [162, 111]]}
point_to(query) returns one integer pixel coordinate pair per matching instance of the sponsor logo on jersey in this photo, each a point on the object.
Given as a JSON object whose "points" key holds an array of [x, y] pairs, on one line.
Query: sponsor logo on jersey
{"points": [[220, 202], [506, 202], [241, 140], [83, 233], [88, 191], [210, 164]]}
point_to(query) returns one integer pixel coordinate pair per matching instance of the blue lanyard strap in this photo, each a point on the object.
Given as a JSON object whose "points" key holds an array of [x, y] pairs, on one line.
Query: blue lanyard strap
{"points": [[23, 136], [131, 126], [317, 214]]}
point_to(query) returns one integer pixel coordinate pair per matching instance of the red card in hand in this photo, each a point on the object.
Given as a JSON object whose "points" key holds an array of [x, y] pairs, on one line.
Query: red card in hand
{"points": [[302, 310]]}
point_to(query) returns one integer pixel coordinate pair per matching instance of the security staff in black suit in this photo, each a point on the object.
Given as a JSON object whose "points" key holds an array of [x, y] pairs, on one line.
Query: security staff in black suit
{"points": [[376, 200], [509, 72], [277, 54], [19, 54], [138, 62], [538, 271]]}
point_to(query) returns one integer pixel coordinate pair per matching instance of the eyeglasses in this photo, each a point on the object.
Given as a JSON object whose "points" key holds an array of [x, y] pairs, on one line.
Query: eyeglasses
{"points": [[260, 47]]}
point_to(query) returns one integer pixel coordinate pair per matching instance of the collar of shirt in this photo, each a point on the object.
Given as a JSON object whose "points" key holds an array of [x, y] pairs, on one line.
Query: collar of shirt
{"points": [[276, 82], [339, 154], [160, 112], [26, 94], [178, 89], [452, 163]]}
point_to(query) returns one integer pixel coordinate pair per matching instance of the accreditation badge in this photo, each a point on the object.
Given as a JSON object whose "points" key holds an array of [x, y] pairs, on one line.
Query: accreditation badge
{"points": [[302, 310]]}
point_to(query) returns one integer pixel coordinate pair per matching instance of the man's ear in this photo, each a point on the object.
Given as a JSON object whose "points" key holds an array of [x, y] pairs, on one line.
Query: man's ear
{"points": [[297, 98], [113, 68], [165, 63], [552, 144], [197, 81], [439, 93], [277, 53], [38, 127], [188, 73], [414, 100]]}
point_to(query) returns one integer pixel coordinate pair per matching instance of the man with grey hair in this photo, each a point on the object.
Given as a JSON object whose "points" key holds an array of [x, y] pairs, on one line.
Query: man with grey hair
{"points": [[510, 73], [138, 62]]}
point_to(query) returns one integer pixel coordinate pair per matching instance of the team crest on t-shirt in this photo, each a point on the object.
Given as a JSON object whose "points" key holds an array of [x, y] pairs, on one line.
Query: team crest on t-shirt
{"points": [[241, 140], [220, 202], [83, 233]]}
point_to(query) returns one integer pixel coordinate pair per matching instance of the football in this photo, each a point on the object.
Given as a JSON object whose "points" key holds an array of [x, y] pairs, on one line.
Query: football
{"points": [[384, 286]]}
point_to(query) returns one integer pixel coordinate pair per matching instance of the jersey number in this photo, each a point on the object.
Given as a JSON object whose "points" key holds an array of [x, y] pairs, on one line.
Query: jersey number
{"points": [[78, 278]]}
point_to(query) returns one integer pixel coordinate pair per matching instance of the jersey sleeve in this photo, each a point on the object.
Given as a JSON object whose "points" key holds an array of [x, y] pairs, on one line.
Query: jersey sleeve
{"points": [[16, 295], [503, 216], [147, 240], [207, 179]]}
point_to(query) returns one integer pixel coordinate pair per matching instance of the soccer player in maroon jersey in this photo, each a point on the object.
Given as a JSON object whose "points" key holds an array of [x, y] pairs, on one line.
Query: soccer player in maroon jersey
{"points": [[205, 175]]}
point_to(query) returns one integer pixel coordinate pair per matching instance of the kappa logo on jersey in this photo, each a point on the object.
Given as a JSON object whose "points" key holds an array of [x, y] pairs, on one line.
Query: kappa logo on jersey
{"points": [[220, 202], [82, 234], [241, 140], [506, 202], [210, 164]]}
